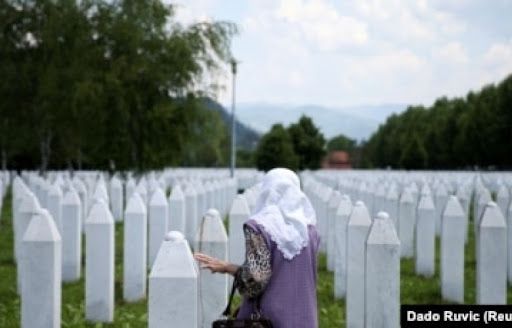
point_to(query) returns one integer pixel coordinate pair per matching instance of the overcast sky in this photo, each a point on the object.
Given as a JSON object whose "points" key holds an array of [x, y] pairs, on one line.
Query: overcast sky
{"points": [[352, 52]]}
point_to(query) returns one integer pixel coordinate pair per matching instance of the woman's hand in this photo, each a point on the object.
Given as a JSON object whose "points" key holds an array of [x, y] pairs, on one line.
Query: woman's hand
{"points": [[215, 265]]}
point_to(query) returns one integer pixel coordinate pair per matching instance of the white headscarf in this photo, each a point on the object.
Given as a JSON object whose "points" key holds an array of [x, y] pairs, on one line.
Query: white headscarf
{"points": [[284, 211]]}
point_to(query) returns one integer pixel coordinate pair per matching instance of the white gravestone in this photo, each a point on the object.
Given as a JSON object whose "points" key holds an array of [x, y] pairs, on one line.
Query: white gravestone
{"points": [[491, 274], [357, 233], [238, 214], [463, 197], [158, 223], [99, 264], [340, 263], [332, 208], [392, 201], [452, 251], [190, 212], [322, 213], [176, 210], [380, 199], [502, 199], [116, 198], [425, 236], [101, 191], [130, 187], [483, 198], [406, 224], [211, 239], [54, 205], [135, 248], [41, 287], [71, 236], [29, 207], [200, 198], [173, 285], [20, 190], [84, 199], [440, 202], [382, 276]]}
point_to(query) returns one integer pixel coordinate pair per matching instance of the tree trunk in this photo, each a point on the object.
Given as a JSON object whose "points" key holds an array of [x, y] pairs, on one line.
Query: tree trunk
{"points": [[79, 159], [45, 146], [4, 160]]}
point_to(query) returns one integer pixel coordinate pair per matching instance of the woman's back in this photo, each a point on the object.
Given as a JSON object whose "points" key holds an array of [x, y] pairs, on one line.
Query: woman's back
{"points": [[289, 300]]}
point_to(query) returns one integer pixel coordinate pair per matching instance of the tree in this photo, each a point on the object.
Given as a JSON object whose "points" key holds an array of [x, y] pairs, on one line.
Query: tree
{"points": [[92, 82], [341, 142], [308, 143], [275, 149], [414, 155]]}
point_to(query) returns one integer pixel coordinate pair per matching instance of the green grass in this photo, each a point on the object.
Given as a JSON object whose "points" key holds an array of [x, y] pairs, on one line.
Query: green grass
{"points": [[331, 312]]}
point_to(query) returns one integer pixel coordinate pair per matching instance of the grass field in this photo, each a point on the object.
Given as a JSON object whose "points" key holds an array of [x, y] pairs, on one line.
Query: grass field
{"points": [[414, 289]]}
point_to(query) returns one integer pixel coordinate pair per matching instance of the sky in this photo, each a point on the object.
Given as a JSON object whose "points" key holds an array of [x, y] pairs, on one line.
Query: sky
{"points": [[338, 53]]}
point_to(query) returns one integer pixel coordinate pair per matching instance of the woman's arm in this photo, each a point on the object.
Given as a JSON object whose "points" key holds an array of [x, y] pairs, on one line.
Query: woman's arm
{"points": [[254, 275], [216, 265]]}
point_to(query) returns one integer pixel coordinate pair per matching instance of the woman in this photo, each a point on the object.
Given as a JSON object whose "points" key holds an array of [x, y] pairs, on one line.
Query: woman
{"points": [[281, 255]]}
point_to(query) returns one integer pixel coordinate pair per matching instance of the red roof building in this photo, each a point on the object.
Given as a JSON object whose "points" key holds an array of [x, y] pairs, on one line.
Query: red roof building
{"points": [[337, 159]]}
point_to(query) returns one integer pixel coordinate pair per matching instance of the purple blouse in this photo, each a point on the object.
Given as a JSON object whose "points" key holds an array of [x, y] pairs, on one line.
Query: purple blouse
{"points": [[289, 297]]}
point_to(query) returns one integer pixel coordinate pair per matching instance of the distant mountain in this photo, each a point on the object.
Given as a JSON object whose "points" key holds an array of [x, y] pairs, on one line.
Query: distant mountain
{"points": [[357, 122], [246, 137]]}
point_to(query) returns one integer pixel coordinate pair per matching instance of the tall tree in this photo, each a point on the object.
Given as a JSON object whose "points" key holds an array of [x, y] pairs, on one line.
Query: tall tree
{"points": [[308, 143], [95, 82], [275, 149]]}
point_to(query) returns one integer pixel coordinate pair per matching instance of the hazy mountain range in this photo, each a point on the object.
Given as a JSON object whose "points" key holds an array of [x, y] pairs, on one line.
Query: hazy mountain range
{"points": [[357, 122]]}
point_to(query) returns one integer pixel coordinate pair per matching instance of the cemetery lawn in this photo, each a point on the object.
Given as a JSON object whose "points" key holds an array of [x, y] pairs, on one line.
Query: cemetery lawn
{"points": [[331, 312]]}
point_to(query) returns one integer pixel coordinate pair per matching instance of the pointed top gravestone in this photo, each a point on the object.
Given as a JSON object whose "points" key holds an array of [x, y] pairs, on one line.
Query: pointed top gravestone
{"points": [[71, 236], [360, 215], [135, 204], [492, 257], [503, 199], [173, 285], [452, 251], [453, 207], [41, 273], [334, 201], [340, 268], [382, 274], [211, 228], [54, 205], [99, 263], [176, 218], [158, 222], [158, 198], [238, 214], [441, 197]]}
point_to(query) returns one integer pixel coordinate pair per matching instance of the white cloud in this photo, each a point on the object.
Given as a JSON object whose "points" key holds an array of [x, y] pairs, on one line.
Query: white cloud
{"points": [[336, 53], [451, 53], [497, 62], [320, 24]]}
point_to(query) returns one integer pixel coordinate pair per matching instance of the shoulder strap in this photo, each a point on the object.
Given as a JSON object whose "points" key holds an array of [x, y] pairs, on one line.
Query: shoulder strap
{"points": [[227, 310]]}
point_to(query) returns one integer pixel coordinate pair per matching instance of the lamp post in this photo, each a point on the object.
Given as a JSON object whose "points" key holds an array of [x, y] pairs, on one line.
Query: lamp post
{"points": [[233, 119]]}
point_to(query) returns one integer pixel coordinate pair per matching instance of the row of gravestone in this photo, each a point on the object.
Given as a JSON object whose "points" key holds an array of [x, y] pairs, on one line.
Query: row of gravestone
{"points": [[99, 240], [416, 215], [241, 210]]}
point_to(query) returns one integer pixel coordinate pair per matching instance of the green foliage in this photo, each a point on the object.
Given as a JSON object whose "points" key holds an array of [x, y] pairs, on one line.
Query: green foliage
{"points": [[308, 143], [275, 149], [341, 142], [94, 82], [414, 155], [451, 134]]}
